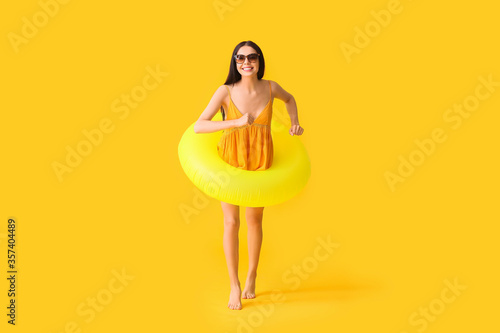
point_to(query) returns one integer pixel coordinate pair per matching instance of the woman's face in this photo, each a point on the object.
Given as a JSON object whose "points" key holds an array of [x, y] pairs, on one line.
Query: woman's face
{"points": [[247, 68]]}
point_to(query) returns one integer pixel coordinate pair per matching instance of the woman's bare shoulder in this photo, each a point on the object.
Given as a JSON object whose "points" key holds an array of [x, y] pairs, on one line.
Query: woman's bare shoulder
{"points": [[223, 90], [279, 92]]}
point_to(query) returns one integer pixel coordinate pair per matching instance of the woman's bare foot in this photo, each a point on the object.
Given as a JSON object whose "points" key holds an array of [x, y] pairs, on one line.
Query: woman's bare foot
{"points": [[235, 298], [249, 291]]}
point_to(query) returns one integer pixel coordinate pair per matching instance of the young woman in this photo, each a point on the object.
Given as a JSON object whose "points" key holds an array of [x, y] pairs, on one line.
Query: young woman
{"points": [[246, 144]]}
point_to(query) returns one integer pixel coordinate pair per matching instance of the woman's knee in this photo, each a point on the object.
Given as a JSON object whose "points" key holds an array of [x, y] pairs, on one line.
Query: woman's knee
{"points": [[254, 215], [232, 222], [231, 215], [254, 222]]}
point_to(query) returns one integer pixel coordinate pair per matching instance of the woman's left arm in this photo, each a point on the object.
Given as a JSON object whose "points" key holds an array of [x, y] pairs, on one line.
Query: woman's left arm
{"points": [[291, 107]]}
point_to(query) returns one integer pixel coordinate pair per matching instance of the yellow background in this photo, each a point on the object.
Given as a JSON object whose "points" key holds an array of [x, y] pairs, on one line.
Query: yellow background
{"points": [[120, 209]]}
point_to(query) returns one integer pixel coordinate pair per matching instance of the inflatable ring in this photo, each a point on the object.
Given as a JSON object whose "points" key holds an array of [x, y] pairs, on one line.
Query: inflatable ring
{"points": [[285, 178]]}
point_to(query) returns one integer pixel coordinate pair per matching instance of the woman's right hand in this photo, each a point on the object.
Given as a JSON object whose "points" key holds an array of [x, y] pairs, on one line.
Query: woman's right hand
{"points": [[246, 119]]}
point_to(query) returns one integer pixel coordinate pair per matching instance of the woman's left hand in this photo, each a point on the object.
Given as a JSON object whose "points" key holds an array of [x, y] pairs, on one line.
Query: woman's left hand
{"points": [[296, 130]]}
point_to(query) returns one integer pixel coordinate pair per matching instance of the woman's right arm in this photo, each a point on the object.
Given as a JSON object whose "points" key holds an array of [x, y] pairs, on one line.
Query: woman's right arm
{"points": [[205, 124]]}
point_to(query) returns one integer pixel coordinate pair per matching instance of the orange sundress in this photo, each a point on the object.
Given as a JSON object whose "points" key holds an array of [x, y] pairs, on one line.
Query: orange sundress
{"points": [[248, 147]]}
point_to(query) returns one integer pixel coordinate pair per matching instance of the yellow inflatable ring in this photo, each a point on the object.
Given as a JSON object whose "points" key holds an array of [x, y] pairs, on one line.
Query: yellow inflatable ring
{"points": [[286, 177]]}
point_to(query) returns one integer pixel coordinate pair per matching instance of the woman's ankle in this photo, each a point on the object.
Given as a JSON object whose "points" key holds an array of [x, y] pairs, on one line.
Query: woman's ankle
{"points": [[252, 275], [235, 285]]}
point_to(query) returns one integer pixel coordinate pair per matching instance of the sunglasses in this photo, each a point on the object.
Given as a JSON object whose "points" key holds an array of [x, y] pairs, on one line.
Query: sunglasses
{"points": [[252, 57]]}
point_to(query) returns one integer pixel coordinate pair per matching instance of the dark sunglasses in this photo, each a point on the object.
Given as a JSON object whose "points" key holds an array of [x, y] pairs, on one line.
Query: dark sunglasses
{"points": [[252, 57]]}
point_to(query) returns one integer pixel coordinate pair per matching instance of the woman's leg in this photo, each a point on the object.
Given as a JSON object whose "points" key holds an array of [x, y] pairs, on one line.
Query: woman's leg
{"points": [[230, 240], [254, 222]]}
